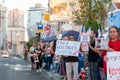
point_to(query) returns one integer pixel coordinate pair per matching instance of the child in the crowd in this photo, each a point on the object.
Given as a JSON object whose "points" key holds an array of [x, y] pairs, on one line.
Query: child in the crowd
{"points": [[36, 61]]}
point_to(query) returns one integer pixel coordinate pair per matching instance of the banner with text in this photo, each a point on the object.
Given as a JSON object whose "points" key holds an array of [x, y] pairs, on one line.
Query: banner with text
{"points": [[69, 48], [113, 65]]}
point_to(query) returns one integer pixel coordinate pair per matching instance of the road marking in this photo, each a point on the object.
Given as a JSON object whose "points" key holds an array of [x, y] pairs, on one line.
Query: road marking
{"points": [[6, 64], [20, 69]]}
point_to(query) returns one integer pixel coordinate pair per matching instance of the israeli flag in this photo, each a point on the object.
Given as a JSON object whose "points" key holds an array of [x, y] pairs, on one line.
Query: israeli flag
{"points": [[99, 32], [89, 30], [81, 31]]}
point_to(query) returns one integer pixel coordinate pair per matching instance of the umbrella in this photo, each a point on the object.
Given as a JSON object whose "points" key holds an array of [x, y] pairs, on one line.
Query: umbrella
{"points": [[49, 39], [74, 33]]}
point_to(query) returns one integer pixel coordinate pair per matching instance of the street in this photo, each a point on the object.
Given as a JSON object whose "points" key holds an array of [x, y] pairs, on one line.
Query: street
{"points": [[18, 69]]}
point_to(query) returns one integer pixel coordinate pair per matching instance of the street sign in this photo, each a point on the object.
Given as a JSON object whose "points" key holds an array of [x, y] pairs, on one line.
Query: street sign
{"points": [[47, 29], [40, 28], [46, 17]]}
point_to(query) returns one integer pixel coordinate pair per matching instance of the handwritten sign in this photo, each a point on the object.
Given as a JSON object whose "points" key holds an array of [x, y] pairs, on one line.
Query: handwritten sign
{"points": [[69, 48], [113, 66]]}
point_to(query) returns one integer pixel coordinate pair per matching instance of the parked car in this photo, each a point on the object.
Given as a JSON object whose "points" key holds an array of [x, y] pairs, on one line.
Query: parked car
{"points": [[5, 56]]}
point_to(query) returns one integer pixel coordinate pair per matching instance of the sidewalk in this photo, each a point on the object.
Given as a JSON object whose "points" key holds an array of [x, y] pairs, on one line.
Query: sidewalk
{"points": [[54, 76]]}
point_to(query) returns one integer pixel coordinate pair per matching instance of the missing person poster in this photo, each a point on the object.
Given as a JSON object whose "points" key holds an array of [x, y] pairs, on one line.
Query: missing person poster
{"points": [[84, 46], [113, 65], [69, 48], [101, 43]]}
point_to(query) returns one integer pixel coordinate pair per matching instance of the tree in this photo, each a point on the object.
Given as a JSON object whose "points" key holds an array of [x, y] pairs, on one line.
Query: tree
{"points": [[31, 41], [90, 12]]}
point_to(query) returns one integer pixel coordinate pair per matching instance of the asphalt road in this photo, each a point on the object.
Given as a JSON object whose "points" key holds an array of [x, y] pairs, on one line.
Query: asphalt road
{"points": [[18, 69]]}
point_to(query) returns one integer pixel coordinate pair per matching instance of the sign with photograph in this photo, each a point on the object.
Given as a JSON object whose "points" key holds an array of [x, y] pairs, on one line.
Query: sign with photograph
{"points": [[101, 43], [69, 48], [113, 65], [84, 46]]}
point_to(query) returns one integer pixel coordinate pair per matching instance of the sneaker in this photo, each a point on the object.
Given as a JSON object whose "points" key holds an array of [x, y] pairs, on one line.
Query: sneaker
{"points": [[61, 77], [37, 71], [40, 70]]}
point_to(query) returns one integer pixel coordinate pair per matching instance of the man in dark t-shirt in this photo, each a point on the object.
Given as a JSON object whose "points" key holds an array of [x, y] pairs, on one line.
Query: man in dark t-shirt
{"points": [[93, 56]]}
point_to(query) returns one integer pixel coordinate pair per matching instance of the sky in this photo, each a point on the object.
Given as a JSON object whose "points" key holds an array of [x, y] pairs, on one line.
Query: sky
{"points": [[23, 5]]}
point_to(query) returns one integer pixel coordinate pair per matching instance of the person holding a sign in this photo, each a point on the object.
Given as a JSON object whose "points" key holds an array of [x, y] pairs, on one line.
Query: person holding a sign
{"points": [[113, 44], [93, 56], [71, 63], [62, 69]]}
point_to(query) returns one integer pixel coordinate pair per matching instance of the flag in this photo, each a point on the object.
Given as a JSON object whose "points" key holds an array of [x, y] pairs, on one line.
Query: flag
{"points": [[89, 30], [81, 31], [99, 32]]}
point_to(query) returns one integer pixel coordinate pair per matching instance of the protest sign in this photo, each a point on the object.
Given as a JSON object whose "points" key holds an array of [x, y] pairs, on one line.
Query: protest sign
{"points": [[84, 46], [69, 48], [101, 43], [113, 65], [85, 37]]}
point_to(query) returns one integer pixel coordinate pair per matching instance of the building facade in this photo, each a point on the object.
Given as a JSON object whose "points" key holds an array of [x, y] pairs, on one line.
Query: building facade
{"points": [[16, 31], [61, 17], [3, 26], [35, 17]]}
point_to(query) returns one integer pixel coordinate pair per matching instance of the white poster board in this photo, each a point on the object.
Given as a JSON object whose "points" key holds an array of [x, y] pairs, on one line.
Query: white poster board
{"points": [[85, 37], [113, 65], [101, 43], [69, 48]]}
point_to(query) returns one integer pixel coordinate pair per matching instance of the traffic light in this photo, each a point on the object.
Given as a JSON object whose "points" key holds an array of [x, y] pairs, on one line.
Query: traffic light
{"points": [[38, 36]]}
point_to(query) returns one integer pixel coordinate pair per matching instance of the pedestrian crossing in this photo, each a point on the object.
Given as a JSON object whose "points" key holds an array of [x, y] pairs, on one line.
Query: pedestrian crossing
{"points": [[16, 67], [19, 67]]}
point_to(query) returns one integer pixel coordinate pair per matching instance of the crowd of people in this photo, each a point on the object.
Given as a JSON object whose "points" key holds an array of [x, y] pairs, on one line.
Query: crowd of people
{"points": [[70, 66]]}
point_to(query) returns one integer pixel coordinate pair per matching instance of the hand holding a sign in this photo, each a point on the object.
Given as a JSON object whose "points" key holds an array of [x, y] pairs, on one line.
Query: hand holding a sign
{"points": [[105, 58], [110, 50]]}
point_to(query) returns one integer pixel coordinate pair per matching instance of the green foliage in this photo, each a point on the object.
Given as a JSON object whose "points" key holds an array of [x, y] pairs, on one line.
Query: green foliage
{"points": [[93, 24], [90, 12], [31, 41]]}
